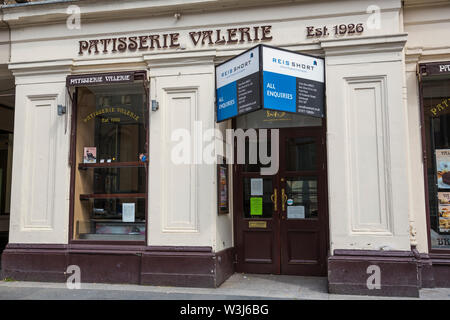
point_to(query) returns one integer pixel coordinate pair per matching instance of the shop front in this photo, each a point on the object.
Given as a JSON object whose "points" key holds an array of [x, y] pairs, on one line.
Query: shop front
{"points": [[276, 100], [177, 144]]}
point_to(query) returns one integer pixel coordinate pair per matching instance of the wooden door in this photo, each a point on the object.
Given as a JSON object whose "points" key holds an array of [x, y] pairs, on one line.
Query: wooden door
{"points": [[281, 223], [304, 219], [256, 231]]}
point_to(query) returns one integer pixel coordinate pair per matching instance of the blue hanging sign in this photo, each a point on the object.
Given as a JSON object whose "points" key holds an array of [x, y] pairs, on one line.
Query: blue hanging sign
{"points": [[293, 82], [238, 85], [270, 78]]}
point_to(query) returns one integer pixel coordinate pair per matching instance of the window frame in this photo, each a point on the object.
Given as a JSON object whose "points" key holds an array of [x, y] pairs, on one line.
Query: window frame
{"points": [[422, 73], [138, 75]]}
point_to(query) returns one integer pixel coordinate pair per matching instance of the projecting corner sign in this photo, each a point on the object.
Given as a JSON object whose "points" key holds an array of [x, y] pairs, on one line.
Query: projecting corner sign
{"points": [[269, 78]]}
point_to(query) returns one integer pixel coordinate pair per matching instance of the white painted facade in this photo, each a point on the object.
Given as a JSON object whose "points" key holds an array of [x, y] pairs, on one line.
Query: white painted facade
{"points": [[375, 176]]}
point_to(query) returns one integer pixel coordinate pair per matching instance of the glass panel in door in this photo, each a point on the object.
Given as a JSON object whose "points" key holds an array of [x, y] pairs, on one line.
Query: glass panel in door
{"points": [[301, 154], [301, 198], [258, 198]]}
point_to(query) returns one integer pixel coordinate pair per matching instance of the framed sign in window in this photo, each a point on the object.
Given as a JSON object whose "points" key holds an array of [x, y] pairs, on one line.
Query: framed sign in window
{"points": [[223, 190]]}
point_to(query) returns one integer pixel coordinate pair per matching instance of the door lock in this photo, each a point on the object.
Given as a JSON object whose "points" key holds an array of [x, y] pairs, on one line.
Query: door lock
{"points": [[283, 200], [273, 197]]}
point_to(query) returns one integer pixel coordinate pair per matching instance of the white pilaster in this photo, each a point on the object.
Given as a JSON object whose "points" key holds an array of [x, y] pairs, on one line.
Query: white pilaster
{"points": [[367, 143], [41, 173]]}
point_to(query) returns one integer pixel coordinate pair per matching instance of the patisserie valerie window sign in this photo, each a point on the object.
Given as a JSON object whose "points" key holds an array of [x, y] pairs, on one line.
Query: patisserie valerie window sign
{"points": [[443, 184], [443, 168], [229, 36]]}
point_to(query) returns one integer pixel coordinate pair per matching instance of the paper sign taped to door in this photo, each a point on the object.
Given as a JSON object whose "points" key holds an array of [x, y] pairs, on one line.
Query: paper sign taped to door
{"points": [[296, 212], [256, 187], [256, 206]]}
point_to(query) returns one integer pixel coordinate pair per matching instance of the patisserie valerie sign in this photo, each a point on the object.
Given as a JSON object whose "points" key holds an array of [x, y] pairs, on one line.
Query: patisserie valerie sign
{"points": [[159, 41]]}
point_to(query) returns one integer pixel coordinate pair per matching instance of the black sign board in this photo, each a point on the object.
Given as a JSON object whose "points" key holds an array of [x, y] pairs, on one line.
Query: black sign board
{"points": [[435, 68], [100, 78]]}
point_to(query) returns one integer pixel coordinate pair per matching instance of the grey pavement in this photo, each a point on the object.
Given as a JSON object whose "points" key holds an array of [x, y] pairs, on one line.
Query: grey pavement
{"points": [[237, 287]]}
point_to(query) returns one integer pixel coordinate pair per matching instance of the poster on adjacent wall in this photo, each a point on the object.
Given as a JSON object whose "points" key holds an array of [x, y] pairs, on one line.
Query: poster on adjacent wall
{"points": [[444, 212], [443, 168], [90, 155], [222, 186]]}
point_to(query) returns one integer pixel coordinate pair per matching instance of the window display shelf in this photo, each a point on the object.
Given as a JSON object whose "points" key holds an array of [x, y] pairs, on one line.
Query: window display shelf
{"points": [[112, 237], [133, 164], [116, 221], [111, 196]]}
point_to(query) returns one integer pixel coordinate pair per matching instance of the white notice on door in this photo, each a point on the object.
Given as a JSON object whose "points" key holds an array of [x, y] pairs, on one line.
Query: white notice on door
{"points": [[128, 212], [256, 187], [296, 212]]}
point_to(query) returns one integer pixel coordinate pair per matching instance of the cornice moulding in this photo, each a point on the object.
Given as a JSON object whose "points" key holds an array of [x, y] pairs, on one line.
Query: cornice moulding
{"points": [[382, 43], [95, 10], [41, 67], [171, 59]]}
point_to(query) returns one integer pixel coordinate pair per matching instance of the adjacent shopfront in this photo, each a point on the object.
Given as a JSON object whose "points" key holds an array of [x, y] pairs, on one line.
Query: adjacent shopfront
{"points": [[129, 136], [434, 88], [434, 91]]}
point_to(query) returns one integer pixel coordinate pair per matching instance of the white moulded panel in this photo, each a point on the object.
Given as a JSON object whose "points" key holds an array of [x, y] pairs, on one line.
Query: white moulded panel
{"points": [[180, 179], [368, 148], [181, 192], [40, 174]]}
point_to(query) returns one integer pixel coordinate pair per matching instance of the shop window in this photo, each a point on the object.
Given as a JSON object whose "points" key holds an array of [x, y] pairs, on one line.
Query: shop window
{"points": [[110, 155], [436, 108]]}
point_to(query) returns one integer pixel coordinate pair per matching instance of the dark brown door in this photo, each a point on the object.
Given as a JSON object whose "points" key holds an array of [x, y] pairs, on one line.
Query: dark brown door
{"points": [[281, 221]]}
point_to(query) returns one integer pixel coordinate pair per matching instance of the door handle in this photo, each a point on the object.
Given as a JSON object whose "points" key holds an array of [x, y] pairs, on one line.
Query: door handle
{"points": [[283, 200], [273, 197]]}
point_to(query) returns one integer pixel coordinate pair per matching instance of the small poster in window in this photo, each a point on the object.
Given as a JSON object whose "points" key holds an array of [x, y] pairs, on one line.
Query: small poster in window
{"points": [[296, 212], [128, 212], [443, 168], [444, 211], [90, 155], [256, 206]]}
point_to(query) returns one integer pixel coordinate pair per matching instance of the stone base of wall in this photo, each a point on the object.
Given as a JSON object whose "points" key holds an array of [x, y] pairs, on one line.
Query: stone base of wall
{"points": [[402, 273], [163, 266]]}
